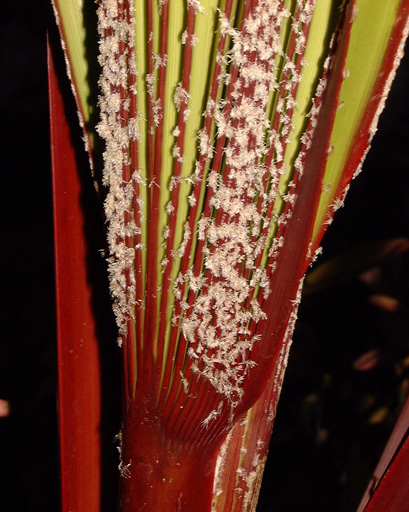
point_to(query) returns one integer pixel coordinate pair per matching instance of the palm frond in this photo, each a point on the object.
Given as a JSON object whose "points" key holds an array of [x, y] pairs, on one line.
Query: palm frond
{"points": [[232, 130]]}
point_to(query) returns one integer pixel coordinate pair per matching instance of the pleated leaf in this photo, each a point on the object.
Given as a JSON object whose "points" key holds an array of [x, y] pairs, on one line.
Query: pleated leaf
{"points": [[232, 130]]}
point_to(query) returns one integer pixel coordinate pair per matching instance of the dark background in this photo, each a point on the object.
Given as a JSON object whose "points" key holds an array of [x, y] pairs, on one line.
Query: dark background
{"points": [[324, 445]]}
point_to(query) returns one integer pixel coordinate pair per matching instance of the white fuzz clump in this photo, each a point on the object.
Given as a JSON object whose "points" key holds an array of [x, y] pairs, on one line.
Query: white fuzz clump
{"points": [[119, 128], [217, 324], [218, 300]]}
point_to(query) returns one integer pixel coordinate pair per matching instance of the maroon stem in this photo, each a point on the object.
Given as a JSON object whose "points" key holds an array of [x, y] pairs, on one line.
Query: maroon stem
{"points": [[163, 474]]}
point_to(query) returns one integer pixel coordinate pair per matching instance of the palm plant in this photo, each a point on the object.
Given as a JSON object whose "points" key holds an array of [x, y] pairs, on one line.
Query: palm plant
{"points": [[232, 130]]}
